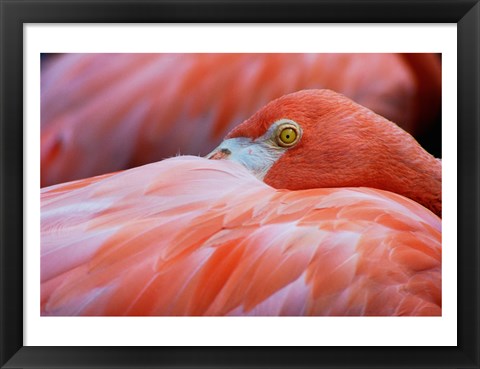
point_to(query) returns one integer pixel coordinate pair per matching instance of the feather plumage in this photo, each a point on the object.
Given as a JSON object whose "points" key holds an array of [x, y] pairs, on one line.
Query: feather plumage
{"points": [[190, 236]]}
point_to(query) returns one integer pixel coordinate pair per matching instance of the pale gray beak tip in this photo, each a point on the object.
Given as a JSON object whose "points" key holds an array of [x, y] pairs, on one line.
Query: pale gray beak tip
{"points": [[219, 154]]}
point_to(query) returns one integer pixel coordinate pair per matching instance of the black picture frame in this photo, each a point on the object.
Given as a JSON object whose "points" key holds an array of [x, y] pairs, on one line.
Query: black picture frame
{"points": [[15, 13]]}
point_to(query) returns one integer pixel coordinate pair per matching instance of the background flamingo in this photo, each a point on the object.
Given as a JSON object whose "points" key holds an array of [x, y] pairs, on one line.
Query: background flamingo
{"points": [[107, 112], [190, 236]]}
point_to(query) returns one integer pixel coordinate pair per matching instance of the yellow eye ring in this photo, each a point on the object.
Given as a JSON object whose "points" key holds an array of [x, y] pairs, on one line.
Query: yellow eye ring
{"points": [[287, 135]]}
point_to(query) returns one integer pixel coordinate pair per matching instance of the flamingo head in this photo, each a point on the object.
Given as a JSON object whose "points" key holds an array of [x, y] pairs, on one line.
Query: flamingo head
{"points": [[319, 138]]}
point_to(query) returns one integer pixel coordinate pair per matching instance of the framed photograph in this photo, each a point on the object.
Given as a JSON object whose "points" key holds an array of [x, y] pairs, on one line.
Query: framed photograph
{"points": [[129, 257]]}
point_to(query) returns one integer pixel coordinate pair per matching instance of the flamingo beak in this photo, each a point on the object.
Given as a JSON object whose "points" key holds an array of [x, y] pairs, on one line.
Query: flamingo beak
{"points": [[219, 154], [256, 156]]}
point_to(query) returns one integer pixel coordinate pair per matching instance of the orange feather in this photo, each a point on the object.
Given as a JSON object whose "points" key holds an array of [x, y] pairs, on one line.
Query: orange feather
{"points": [[190, 236]]}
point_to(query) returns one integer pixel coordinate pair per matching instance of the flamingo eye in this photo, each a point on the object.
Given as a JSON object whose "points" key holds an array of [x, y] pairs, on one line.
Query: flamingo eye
{"points": [[287, 135]]}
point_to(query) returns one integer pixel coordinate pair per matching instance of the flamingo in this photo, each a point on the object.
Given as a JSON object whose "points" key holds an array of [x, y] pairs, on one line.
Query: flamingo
{"points": [[313, 206], [116, 111]]}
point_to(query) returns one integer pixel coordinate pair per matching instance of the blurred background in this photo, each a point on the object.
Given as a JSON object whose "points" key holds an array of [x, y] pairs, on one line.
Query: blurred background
{"points": [[107, 112]]}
